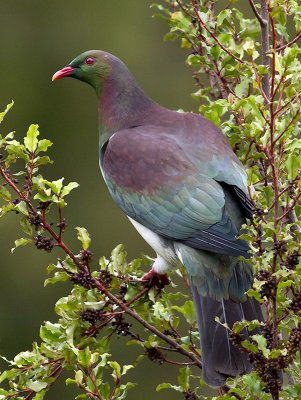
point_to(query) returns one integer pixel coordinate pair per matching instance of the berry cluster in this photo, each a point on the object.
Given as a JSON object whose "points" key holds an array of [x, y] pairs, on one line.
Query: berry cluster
{"points": [[268, 370], [279, 246], [62, 225], [258, 212], [123, 289], [34, 219], [190, 395], [86, 256], [267, 333], [91, 315], [292, 260], [169, 332], [105, 277], [43, 205], [42, 242], [295, 305], [263, 275], [235, 338], [294, 341], [122, 327], [155, 355], [268, 289], [84, 279]]}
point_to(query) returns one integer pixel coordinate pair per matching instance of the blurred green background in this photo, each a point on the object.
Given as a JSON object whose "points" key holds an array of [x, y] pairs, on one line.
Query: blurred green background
{"points": [[38, 38]]}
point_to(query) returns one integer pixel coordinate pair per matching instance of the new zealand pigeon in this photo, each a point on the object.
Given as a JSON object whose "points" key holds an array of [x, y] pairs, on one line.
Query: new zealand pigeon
{"points": [[184, 190]]}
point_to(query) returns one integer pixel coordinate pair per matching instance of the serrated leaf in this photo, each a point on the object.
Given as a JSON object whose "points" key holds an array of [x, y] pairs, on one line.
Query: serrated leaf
{"points": [[84, 237], [187, 310], [21, 242], [262, 344], [31, 139]]}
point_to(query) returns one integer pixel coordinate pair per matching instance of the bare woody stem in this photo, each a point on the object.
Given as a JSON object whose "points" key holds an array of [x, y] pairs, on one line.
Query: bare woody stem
{"points": [[265, 40]]}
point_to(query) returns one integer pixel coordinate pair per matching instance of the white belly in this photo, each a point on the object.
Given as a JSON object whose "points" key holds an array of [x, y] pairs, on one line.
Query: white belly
{"points": [[166, 256]]}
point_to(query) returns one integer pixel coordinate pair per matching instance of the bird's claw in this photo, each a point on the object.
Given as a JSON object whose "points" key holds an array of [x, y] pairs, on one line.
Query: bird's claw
{"points": [[154, 279]]}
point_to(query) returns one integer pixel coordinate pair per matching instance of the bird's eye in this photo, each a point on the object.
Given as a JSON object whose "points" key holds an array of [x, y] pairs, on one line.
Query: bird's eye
{"points": [[90, 60]]}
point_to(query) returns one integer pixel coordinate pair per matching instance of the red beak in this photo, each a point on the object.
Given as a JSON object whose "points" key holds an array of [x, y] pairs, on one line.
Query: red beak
{"points": [[62, 73]]}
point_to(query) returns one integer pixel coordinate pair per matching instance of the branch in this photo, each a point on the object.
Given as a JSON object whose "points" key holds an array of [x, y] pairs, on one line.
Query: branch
{"points": [[148, 326], [263, 22], [212, 34], [289, 43], [265, 45]]}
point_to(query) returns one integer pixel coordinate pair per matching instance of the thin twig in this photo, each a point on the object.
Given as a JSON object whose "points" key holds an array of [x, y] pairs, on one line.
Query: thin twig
{"points": [[289, 43], [262, 21], [195, 7]]}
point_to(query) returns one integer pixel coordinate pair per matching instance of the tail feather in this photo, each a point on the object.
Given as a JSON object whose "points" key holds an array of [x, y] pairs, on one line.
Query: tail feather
{"points": [[221, 359]]}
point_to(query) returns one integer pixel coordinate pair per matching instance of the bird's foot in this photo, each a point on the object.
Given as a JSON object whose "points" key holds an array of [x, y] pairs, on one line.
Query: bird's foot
{"points": [[154, 279]]}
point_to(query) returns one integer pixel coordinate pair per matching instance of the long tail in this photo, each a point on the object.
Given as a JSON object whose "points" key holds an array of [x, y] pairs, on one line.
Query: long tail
{"points": [[221, 359]]}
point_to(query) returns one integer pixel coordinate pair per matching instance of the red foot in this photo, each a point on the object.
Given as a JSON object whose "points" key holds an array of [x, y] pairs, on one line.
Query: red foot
{"points": [[162, 278]]}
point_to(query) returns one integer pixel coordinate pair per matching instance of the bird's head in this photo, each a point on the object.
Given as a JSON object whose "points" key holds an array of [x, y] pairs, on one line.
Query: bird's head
{"points": [[92, 66]]}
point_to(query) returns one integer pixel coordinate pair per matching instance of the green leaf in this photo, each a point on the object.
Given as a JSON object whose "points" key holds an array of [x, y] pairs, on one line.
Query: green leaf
{"points": [[166, 385], [79, 377], [84, 357], [116, 369], [67, 189], [187, 310], [241, 90], [31, 139], [21, 242], [4, 193], [3, 113], [262, 344], [292, 165], [84, 237], [183, 378], [59, 276], [40, 395], [55, 186], [43, 145], [36, 386]]}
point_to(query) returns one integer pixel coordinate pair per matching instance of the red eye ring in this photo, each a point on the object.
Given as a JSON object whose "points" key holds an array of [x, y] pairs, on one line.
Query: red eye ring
{"points": [[90, 60]]}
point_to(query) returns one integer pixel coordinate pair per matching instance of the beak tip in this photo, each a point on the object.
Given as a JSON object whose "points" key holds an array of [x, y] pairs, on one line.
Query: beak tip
{"points": [[67, 71]]}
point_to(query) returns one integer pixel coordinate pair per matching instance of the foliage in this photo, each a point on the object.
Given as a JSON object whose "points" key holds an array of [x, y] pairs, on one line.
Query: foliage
{"points": [[103, 303], [247, 73], [252, 66]]}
